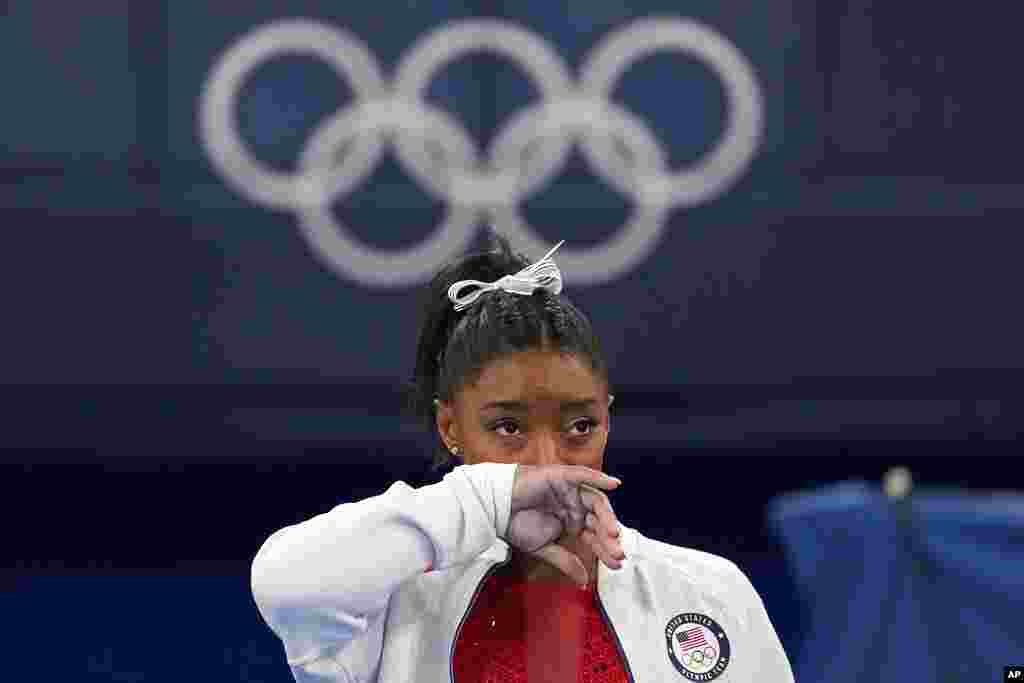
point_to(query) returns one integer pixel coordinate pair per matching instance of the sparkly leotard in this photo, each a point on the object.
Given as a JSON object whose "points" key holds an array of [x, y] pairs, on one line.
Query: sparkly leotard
{"points": [[536, 632]]}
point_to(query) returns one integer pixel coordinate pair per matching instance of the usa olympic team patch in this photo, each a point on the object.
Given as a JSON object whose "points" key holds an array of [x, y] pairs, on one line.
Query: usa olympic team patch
{"points": [[697, 646]]}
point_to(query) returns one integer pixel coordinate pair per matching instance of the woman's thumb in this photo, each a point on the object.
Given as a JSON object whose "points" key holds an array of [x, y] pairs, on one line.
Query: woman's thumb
{"points": [[567, 562]]}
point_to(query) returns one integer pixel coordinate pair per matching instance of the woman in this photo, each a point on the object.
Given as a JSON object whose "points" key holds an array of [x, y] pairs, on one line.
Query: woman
{"points": [[514, 566]]}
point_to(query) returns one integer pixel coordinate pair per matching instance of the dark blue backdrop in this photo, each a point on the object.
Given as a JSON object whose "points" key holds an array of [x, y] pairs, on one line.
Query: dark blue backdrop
{"points": [[181, 375], [876, 232]]}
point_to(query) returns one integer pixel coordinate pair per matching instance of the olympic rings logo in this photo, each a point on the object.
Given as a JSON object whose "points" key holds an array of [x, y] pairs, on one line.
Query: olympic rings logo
{"points": [[480, 185], [700, 658]]}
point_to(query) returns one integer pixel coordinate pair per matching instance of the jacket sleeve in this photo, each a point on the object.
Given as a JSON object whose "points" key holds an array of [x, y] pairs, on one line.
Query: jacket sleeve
{"points": [[769, 663], [320, 584]]}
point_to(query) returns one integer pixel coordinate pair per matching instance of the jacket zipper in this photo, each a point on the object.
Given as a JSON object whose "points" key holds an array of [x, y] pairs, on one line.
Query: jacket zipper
{"points": [[618, 643], [472, 603]]}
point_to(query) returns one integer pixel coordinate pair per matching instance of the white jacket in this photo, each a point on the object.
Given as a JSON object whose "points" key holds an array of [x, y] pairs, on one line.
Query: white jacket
{"points": [[376, 590]]}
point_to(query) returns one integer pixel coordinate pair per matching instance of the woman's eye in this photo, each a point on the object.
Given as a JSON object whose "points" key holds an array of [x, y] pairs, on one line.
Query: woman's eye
{"points": [[578, 428], [506, 425], [588, 425]]}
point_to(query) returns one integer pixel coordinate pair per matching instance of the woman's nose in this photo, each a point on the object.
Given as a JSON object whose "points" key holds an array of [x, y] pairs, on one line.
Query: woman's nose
{"points": [[546, 449]]}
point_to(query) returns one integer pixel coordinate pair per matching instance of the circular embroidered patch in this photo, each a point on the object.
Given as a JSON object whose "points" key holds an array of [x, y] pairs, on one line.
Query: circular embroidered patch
{"points": [[697, 646]]}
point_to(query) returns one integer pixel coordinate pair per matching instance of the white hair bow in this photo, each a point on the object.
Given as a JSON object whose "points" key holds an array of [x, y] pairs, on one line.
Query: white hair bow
{"points": [[543, 274]]}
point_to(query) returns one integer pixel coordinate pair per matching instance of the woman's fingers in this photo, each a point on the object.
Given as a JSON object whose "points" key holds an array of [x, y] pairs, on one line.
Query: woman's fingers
{"points": [[610, 557], [596, 478], [613, 544], [602, 528], [609, 547], [597, 502]]}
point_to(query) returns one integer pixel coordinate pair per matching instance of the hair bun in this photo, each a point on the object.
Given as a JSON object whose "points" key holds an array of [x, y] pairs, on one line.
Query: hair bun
{"points": [[495, 262]]}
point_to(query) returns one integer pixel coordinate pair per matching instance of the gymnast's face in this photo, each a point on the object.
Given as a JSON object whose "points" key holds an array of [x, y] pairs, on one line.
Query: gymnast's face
{"points": [[537, 407]]}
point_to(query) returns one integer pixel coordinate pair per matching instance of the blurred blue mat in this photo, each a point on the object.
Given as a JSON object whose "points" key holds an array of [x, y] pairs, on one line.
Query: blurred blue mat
{"points": [[927, 588]]}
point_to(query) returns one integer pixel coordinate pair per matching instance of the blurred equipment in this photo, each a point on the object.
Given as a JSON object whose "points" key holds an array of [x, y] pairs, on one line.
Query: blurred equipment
{"points": [[899, 586]]}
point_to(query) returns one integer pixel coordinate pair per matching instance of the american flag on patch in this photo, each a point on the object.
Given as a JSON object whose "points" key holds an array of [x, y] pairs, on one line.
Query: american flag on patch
{"points": [[691, 638]]}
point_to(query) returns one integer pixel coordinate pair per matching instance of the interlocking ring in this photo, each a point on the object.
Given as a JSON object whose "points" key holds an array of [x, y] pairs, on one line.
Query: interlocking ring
{"points": [[476, 185]]}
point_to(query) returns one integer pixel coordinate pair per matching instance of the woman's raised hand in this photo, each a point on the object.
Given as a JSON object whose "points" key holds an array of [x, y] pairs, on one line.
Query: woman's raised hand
{"points": [[547, 499]]}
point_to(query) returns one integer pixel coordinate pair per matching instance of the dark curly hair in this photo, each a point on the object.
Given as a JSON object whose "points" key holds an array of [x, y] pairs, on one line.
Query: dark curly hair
{"points": [[455, 346]]}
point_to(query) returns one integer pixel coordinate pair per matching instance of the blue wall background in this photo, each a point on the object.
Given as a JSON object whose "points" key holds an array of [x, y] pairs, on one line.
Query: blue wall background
{"points": [[181, 375]]}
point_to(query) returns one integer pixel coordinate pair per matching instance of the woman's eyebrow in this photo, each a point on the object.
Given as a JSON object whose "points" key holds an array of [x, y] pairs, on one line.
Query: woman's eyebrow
{"points": [[576, 405]]}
